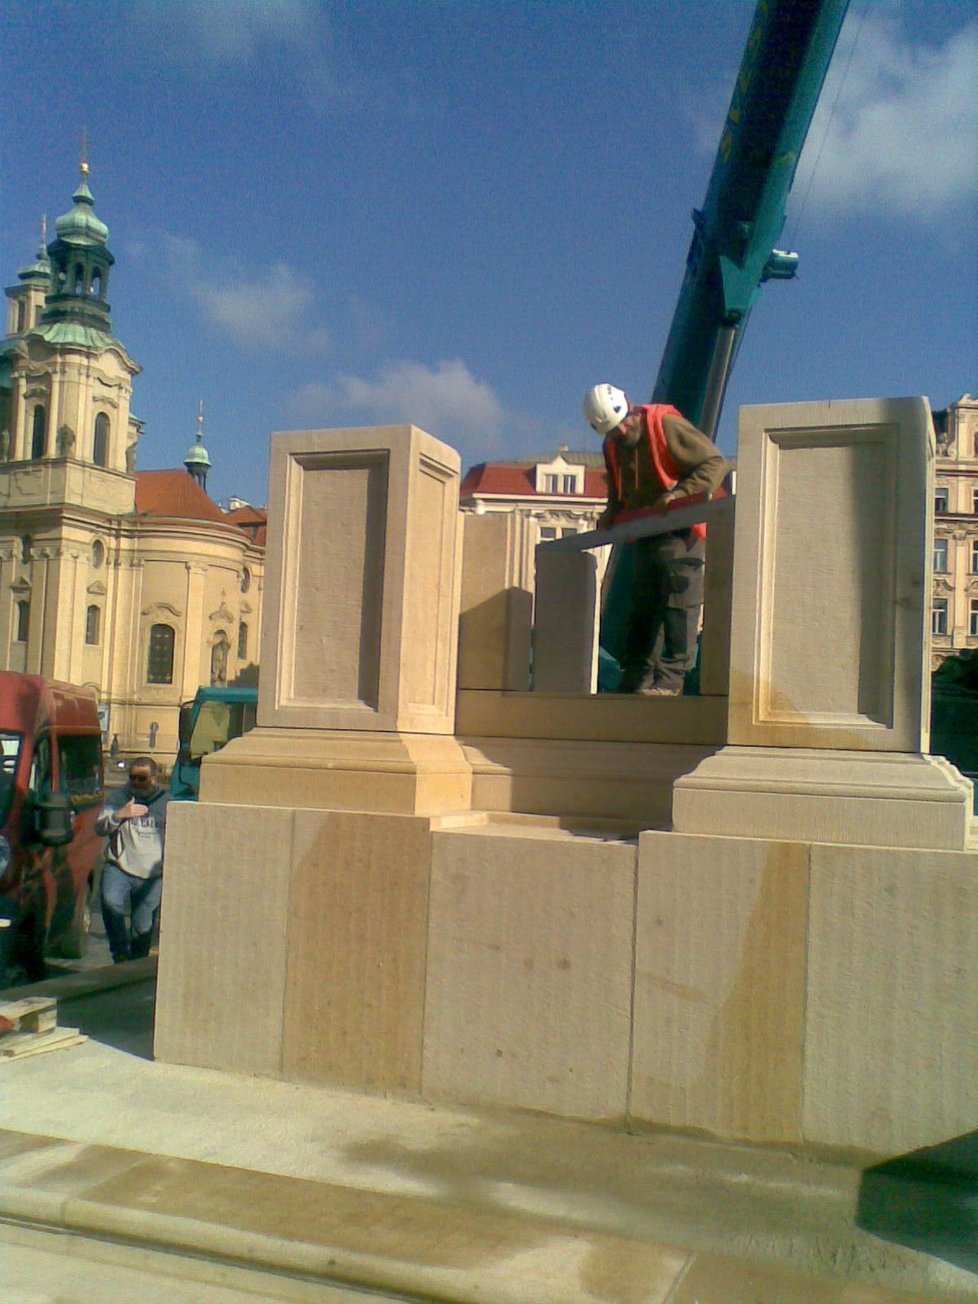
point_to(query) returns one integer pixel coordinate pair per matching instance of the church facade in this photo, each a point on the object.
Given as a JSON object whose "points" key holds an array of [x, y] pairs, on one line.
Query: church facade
{"points": [[133, 582]]}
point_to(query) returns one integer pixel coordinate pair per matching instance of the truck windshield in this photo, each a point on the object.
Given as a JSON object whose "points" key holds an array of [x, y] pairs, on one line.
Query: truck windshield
{"points": [[217, 723], [10, 745]]}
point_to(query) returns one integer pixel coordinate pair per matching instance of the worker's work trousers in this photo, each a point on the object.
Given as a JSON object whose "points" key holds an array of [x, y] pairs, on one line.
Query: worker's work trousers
{"points": [[667, 596], [138, 898]]}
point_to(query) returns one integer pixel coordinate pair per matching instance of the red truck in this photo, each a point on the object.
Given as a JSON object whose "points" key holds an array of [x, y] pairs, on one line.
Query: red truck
{"points": [[51, 790]]}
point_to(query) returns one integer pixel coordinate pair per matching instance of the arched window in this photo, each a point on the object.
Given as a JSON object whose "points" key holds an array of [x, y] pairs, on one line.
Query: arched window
{"points": [[95, 289], [26, 548], [242, 642], [79, 279], [23, 620], [93, 625], [100, 450], [245, 580], [98, 553], [159, 662], [40, 430], [21, 315]]}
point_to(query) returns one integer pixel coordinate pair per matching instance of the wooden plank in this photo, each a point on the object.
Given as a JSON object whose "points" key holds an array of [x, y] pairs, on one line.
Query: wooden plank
{"points": [[15, 1044], [43, 1047]]}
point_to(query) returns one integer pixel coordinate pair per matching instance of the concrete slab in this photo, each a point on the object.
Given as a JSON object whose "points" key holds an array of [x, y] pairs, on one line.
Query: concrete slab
{"points": [[464, 1205]]}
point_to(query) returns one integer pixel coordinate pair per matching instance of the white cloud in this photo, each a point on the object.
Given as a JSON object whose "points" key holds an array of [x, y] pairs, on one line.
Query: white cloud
{"points": [[901, 136], [216, 38], [273, 310], [446, 400]]}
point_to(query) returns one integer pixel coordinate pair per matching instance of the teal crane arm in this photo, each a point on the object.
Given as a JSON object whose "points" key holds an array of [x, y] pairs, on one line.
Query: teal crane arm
{"points": [[733, 252]]}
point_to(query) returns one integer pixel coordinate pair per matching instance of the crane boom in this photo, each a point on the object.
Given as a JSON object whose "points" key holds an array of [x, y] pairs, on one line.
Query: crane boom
{"points": [[789, 47]]}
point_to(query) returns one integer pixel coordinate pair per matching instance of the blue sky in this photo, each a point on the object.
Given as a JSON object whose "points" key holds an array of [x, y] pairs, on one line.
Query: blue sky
{"points": [[463, 214]]}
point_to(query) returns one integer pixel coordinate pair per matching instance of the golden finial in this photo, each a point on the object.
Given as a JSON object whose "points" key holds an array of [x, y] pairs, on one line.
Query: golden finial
{"points": [[200, 422], [83, 167]]}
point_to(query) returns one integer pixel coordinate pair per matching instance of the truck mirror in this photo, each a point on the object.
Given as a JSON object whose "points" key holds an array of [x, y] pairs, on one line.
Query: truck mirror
{"points": [[54, 819]]}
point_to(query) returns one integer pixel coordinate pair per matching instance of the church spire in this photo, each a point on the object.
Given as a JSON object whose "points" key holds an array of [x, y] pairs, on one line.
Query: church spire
{"points": [[80, 262], [197, 461]]}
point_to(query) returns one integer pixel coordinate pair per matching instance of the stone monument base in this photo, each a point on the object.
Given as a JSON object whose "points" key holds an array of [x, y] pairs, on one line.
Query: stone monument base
{"points": [[326, 769], [876, 799]]}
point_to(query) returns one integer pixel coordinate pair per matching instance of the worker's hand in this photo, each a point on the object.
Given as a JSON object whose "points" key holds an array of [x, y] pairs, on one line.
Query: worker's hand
{"points": [[665, 501], [131, 810]]}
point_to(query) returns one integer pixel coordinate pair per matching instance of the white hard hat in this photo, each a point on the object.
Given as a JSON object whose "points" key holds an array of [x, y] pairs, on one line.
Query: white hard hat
{"points": [[605, 406]]}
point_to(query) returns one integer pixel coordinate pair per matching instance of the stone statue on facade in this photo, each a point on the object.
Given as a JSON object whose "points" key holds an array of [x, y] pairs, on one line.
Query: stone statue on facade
{"points": [[66, 441], [131, 457]]}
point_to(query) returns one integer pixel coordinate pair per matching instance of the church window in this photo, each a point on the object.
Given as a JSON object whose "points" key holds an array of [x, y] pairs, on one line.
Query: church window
{"points": [[37, 314], [21, 315], [79, 279], [39, 435], [242, 642], [245, 580], [100, 451], [159, 665], [95, 289], [26, 548], [98, 553], [23, 620], [93, 625]]}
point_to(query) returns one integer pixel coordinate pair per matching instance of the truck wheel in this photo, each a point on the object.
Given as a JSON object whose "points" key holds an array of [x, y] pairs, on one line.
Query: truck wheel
{"points": [[73, 942]]}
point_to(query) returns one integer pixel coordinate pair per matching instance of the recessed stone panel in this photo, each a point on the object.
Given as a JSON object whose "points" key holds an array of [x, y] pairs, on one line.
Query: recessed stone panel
{"points": [[529, 971]]}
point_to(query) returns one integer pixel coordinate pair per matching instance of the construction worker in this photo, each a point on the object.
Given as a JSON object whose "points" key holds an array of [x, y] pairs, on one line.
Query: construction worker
{"points": [[654, 457]]}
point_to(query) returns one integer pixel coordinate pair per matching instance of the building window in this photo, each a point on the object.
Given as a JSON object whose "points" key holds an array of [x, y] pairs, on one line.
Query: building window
{"points": [[26, 548], [93, 625], [940, 556], [98, 553], [245, 580], [100, 448], [79, 279], [567, 531], [21, 315], [973, 619], [95, 289], [974, 556], [242, 642], [550, 483], [39, 434], [548, 532], [941, 500], [938, 616], [159, 664], [974, 501], [570, 484], [23, 621]]}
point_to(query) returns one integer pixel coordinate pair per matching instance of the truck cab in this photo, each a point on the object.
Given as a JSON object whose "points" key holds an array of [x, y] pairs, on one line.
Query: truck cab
{"points": [[51, 791], [208, 723]]}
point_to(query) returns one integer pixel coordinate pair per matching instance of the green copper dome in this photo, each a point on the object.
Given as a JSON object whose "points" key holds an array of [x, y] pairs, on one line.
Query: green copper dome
{"points": [[197, 456], [81, 226]]}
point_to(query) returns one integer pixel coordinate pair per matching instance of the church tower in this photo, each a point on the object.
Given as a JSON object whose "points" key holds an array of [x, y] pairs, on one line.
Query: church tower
{"points": [[197, 461], [65, 380]]}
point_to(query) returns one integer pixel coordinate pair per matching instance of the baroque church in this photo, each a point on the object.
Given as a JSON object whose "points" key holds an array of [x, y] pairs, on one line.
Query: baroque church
{"points": [[135, 583]]}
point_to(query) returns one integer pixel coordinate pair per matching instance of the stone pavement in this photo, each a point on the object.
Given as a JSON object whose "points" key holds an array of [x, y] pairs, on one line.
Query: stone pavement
{"points": [[319, 1191]]}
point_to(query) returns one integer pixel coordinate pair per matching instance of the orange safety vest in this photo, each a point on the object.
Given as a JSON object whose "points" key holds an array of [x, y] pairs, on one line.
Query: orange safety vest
{"points": [[663, 461]]}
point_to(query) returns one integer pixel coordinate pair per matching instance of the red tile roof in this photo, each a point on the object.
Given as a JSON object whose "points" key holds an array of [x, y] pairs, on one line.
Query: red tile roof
{"points": [[519, 478], [253, 520], [174, 493]]}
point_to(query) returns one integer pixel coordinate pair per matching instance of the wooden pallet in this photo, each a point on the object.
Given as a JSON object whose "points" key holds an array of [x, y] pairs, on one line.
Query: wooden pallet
{"points": [[30, 1027]]}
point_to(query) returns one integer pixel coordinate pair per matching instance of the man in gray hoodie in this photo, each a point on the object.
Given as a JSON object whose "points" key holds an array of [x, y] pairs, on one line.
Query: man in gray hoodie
{"points": [[134, 821]]}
